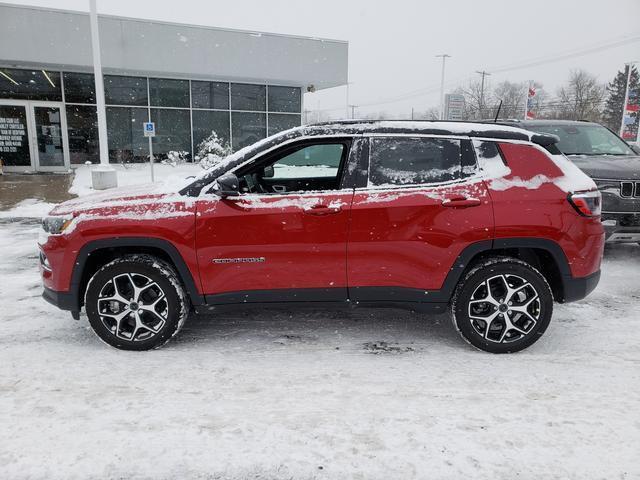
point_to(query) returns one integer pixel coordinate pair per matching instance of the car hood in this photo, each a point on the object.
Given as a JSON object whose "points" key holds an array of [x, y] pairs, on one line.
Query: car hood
{"points": [[608, 166], [117, 198]]}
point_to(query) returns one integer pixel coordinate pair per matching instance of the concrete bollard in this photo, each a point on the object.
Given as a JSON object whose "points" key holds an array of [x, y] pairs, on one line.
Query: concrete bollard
{"points": [[104, 177]]}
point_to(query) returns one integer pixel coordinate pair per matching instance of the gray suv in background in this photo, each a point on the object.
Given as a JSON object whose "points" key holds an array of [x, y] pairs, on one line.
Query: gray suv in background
{"points": [[612, 163]]}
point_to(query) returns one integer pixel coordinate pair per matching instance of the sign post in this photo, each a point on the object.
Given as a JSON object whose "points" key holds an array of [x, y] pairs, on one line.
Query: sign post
{"points": [[150, 132], [631, 110], [453, 107], [528, 105]]}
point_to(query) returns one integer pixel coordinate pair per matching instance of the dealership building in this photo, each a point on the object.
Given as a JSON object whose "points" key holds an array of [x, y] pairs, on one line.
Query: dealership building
{"points": [[190, 80]]}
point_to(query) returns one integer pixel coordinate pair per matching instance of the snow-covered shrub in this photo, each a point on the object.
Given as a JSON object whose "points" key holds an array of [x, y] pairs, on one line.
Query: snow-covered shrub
{"points": [[177, 158], [211, 150]]}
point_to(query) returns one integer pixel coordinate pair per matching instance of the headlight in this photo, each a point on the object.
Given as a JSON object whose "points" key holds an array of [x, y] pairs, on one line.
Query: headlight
{"points": [[55, 225]]}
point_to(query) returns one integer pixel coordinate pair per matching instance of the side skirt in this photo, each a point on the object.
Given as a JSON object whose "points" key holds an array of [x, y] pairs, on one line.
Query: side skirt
{"points": [[324, 299]]}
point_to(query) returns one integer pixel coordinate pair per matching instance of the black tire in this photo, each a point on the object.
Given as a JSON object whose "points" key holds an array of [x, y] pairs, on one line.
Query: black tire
{"points": [[159, 311], [511, 327]]}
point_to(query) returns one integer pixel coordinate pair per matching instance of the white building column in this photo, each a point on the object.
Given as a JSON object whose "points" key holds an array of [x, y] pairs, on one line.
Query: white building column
{"points": [[103, 176]]}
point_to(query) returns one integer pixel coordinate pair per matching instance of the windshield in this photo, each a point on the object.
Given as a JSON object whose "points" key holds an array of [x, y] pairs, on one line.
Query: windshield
{"points": [[587, 139]]}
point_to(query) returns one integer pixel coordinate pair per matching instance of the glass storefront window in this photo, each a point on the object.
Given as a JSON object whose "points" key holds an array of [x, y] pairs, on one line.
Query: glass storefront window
{"points": [[282, 121], [185, 112], [284, 99], [245, 96], [82, 125], [124, 130], [205, 122], [14, 136], [30, 84], [247, 128], [168, 93], [79, 88], [119, 90], [210, 95], [173, 132]]}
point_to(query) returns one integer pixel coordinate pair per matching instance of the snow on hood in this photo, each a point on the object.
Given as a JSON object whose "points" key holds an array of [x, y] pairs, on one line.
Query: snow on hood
{"points": [[136, 203], [118, 197]]}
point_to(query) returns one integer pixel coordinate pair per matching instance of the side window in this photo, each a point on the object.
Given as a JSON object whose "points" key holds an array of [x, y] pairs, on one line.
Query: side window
{"points": [[490, 159], [313, 161], [413, 161], [468, 160], [310, 167]]}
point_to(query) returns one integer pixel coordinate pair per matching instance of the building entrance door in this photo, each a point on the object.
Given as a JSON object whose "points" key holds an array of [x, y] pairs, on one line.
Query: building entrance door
{"points": [[33, 136], [49, 139]]}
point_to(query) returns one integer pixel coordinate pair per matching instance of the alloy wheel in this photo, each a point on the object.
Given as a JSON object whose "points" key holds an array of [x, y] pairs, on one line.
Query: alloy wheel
{"points": [[133, 306], [504, 308]]}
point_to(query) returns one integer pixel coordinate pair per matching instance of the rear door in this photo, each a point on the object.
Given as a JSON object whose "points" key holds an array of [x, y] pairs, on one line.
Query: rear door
{"points": [[284, 239], [423, 205]]}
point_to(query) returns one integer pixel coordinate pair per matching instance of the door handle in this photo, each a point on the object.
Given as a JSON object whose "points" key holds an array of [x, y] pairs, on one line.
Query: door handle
{"points": [[320, 210], [461, 202]]}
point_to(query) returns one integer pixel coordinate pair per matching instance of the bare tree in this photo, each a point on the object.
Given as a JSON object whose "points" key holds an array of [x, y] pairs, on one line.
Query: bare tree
{"points": [[582, 98], [476, 101], [513, 96], [432, 113]]}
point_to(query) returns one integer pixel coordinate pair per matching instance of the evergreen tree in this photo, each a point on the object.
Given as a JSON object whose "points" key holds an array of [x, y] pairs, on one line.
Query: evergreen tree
{"points": [[616, 90]]}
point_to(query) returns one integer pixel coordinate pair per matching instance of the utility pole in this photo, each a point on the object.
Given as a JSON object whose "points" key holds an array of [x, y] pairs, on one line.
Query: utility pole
{"points": [[353, 111], [444, 57], [484, 74]]}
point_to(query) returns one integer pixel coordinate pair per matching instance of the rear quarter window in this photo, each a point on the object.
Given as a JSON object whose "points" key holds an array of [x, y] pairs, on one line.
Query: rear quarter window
{"points": [[413, 161]]}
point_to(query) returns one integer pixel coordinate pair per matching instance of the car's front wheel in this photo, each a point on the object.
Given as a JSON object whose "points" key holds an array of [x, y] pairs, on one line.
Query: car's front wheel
{"points": [[502, 305], [136, 302]]}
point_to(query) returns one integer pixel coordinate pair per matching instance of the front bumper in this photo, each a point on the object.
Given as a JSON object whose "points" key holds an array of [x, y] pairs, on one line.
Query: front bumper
{"points": [[578, 288], [621, 227], [62, 300]]}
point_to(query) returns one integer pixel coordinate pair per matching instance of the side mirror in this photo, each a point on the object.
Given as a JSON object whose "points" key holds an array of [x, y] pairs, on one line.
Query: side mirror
{"points": [[227, 185], [635, 148], [268, 172]]}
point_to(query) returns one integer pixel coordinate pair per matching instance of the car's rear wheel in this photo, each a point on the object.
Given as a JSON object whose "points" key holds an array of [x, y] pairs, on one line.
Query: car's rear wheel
{"points": [[502, 305], [136, 303]]}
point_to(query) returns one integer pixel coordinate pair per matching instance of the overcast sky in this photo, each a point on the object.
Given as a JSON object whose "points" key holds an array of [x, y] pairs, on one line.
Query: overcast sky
{"points": [[393, 43]]}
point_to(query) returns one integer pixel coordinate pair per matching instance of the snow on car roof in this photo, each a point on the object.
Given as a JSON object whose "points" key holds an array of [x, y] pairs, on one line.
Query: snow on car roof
{"points": [[440, 127], [359, 127]]}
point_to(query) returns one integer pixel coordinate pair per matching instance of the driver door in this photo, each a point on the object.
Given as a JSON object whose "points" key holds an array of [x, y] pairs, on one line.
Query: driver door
{"points": [[284, 238]]}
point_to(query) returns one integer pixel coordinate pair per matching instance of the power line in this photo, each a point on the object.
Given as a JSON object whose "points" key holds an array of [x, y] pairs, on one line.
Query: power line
{"points": [[635, 37], [566, 56]]}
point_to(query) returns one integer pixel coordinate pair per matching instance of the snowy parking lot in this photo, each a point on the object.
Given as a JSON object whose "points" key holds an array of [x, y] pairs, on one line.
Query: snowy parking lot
{"points": [[299, 394]]}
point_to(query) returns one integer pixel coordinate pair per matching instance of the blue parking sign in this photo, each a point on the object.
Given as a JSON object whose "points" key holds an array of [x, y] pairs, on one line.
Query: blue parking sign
{"points": [[149, 129]]}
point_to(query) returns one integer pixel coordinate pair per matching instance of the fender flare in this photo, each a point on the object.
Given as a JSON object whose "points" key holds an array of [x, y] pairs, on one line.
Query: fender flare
{"points": [[164, 245], [466, 256]]}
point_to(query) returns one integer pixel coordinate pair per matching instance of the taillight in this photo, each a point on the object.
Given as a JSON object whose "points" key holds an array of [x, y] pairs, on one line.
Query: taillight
{"points": [[587, 204]]}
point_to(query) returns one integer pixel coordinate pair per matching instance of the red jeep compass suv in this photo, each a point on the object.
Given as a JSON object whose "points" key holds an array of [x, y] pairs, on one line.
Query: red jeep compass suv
{"points": [[488, 220]]}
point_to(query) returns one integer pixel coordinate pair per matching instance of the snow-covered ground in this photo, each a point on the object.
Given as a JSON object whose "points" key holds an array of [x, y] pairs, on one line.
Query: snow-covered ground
{"points": [[136, 174], [318, 395]]}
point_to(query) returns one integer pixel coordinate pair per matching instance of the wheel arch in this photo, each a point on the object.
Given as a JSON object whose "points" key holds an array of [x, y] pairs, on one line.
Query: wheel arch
{"points": [[543, 254], [97, 253]]}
